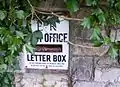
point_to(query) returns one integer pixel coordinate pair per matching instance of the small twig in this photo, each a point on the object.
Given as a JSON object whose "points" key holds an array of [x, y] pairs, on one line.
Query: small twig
{"points": [[54, 14], [104, 52], [12, 23], [55, 9], [78, 45], [51, 13], [38, 17], [30, 4], [67, 18], [28, 16], [46, 13], [89, 47], [32, 9]]}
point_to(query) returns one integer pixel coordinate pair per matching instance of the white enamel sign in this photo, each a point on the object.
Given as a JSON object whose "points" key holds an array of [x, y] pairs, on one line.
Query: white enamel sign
{"points": [[52, 52]]}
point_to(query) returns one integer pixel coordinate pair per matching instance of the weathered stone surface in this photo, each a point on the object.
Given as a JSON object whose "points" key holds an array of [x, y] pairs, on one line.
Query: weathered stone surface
{"points": [[115, 35], [106, 62], [80, 39], [96, 84], [82, 68], [49, 4], [86, 49], [110, 74], [89, 84], [85, 72], [41, 80]]}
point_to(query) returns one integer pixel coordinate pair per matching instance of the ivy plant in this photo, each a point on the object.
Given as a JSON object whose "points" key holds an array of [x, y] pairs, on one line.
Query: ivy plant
{"points": [[16, 32], [105, 14]]}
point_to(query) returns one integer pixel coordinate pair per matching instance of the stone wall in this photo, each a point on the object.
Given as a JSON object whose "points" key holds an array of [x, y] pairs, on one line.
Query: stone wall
{"points": [[40, 80], [86, 68]]}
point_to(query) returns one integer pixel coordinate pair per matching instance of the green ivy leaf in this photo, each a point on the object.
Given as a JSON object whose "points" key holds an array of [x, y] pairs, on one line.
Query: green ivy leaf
{"points": [[28, 38], [97, 43], [118, 19], [10, 75], [100, 15], [3, 67], [72, 5], [20, 14], [86, 23], [6, 81], [117, 5], [29, 48], [2, 53], [36, 35], [2, 15], [111, 3], [97, 11], [112, 52], [34, 40], [9, 59], [52, 21], [101, 18], [107, 40], [91, 2], [20, 34], [96, 37], [12, 48], [95, 34]]}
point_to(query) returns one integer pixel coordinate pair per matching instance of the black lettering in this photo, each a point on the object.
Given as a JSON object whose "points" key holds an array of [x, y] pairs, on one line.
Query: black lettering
{"points": [[54, 37], [59, 58], [28, 58], [39, 57], [50, 35], [52, 27], [65, 37], [36, 57], [32, 58], [54, 58], [60, 39], [38, 25], [44, 59], [46, 37], [63, 60], [48, 58]]}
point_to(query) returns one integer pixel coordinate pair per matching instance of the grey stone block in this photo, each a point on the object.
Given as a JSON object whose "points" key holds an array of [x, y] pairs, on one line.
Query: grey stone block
{"points": [[82, 68], [41, 80], [111, 74], [96, 84], [89, 84], [106, 62], [86, 49]]}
